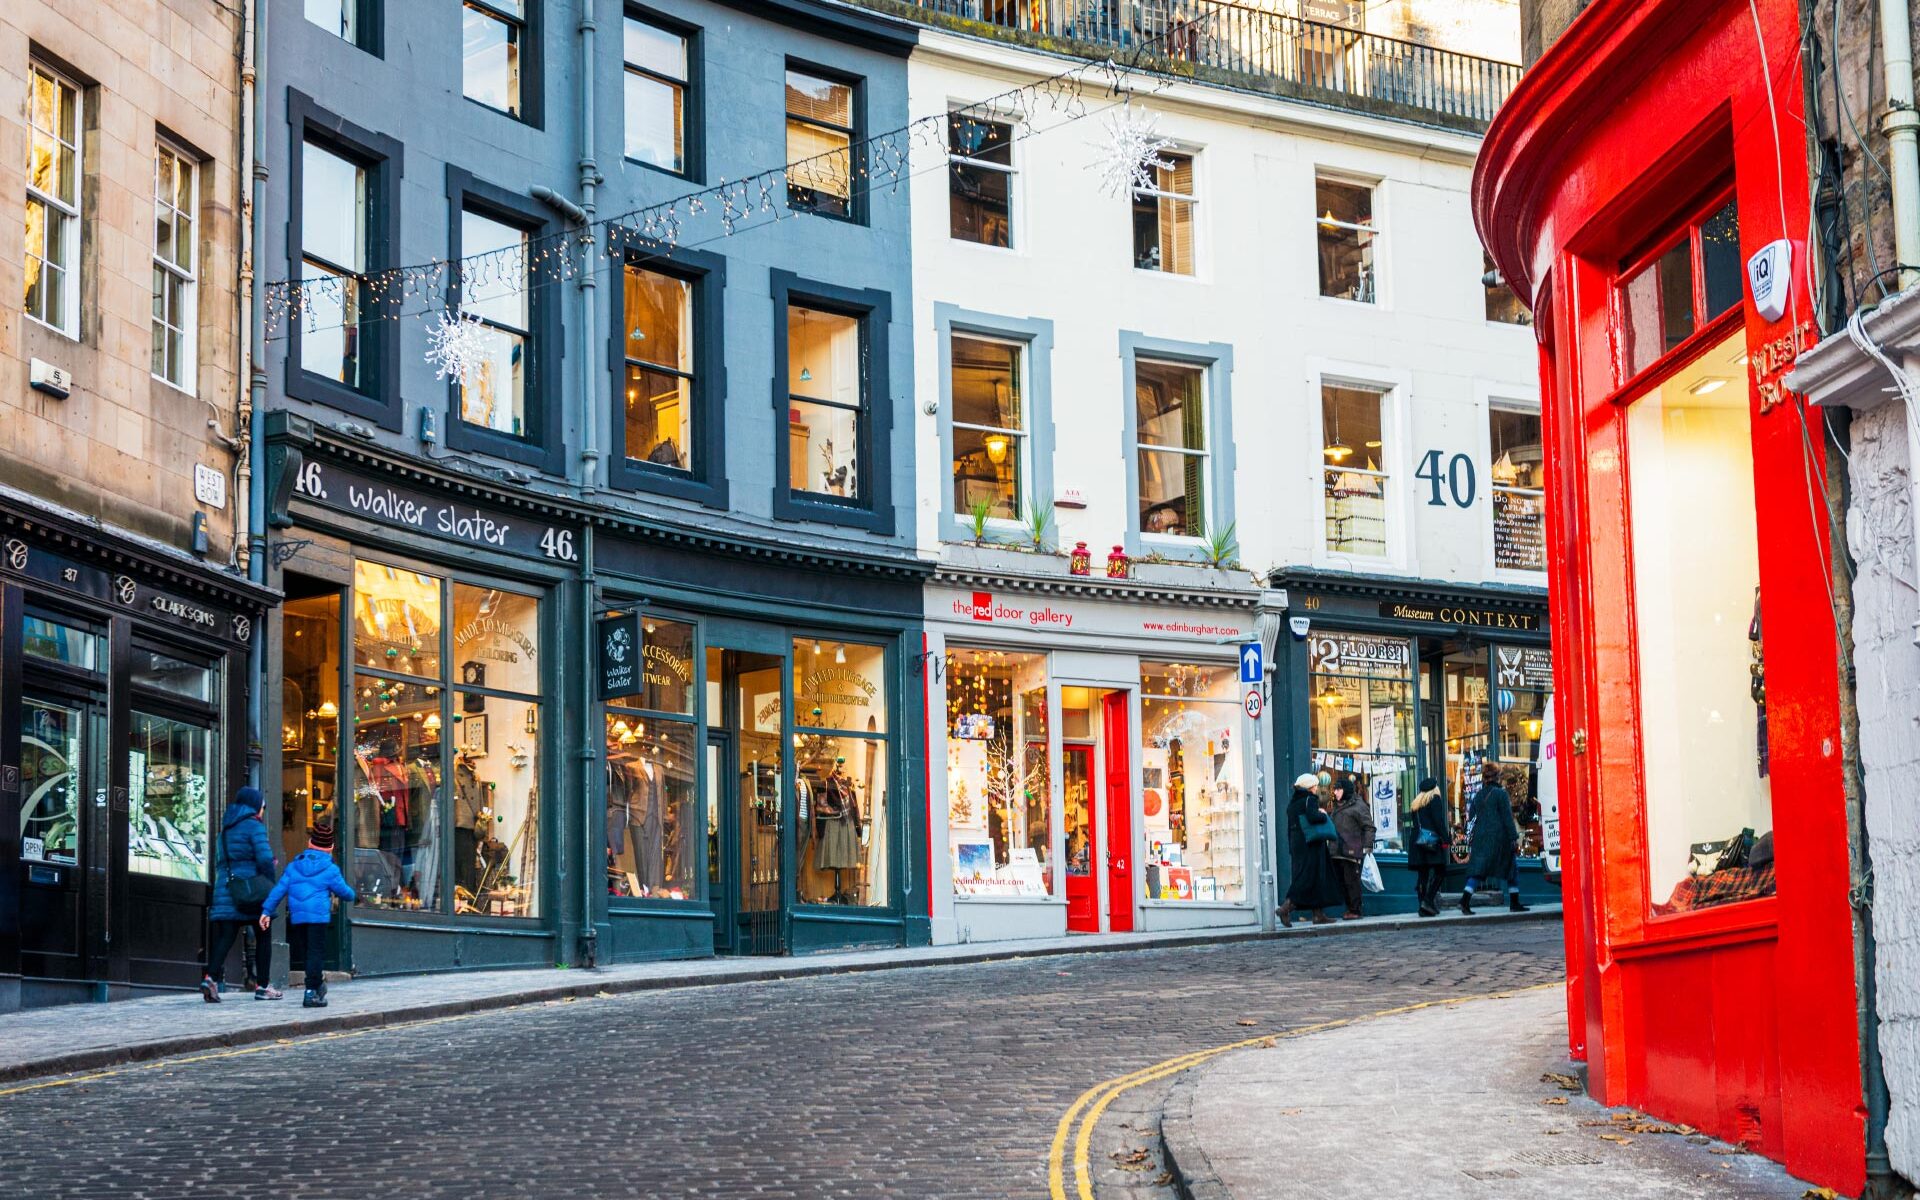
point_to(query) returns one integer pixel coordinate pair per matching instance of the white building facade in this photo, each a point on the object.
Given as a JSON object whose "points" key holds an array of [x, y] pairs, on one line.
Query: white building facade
{"points": [[1274, 382]]}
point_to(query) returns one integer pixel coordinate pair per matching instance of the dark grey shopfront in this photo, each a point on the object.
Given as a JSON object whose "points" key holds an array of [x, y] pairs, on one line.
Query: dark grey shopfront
{"points": [[1394, 681], [123, 692]]}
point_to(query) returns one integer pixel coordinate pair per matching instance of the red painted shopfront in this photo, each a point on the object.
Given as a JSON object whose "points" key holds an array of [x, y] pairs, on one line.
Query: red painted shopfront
{"points": [[1624, 187]]}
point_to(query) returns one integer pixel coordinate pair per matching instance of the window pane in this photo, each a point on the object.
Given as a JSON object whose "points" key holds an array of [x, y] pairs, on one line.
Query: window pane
{"points": [[843, 838], [1169, 404], [496, 788], [1351, 421], [839, 685], [659, 310], [1503, 304], [1519, 477], [986, 383], [1346, 254], [980, 205], [397, 793], [1696, 608], [53, 150], [666, 652], [43, 638], [1162, 225], [1192, 784], [659, 418], [496, 639], [490, 48], [824, 100], [47, 251], [1172, 493], [1721, 269], [495, 396], [169, 783], [1658, 305], [823, 355], [999, 798], [653, 820], [824, 448], [164, 672], [658, 50], [820, 171], [980, 139], [396, 620], [655, 121], [987, 471], [499, 293], [53, 752], [309, 718], [330, 324], [334, 16], [333, 208]]}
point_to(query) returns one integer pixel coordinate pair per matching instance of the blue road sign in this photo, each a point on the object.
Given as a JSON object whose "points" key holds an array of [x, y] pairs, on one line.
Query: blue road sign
{"points": [[1251, 661]]}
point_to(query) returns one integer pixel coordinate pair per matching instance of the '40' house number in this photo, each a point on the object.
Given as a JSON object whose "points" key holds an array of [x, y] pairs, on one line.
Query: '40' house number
{"points": [[1458, 478]]}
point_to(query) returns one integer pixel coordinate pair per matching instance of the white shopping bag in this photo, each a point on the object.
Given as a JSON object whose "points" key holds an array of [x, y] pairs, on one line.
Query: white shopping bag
{"points": [[1370, 874]]}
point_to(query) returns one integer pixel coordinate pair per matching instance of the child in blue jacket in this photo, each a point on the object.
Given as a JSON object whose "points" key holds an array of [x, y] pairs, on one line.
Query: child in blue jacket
{"points": [[308, 885]]}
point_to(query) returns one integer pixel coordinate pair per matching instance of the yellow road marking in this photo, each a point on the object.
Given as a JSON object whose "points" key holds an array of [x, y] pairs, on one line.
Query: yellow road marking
{"points": [[1078, 1124]]}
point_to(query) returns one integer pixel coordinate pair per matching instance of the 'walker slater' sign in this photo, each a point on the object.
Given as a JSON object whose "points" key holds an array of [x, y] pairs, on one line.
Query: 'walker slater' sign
{"points": [[620, 663], [394, 504]]}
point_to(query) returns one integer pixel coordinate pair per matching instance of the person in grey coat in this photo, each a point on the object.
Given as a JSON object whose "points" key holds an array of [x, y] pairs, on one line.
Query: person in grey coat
{"points": [[1495, 841]]}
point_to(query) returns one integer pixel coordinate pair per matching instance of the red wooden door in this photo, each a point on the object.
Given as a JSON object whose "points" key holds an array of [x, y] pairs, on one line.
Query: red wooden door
{"points": [[1119, 814], [1083, 838]]}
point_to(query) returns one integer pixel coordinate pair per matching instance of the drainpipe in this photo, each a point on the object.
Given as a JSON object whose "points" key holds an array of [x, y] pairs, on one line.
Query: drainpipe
{"points": [[1901, 124], [252, 408], [589, 762], [589, 275]]}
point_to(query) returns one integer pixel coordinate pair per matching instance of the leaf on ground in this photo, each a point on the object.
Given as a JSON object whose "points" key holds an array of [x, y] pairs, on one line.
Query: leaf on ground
{"points": [[1134, 1160], [1614, 1137], [1165, 1179], [1551, 1132], [1245, 1022], [1290, 1112], [1565, 1083], [1554, 1100], [1268, 1043], [1819, 1193]]}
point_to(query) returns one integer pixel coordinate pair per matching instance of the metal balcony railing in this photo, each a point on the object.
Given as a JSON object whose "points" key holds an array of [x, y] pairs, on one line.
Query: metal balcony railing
{"points": [[1270, 51]]}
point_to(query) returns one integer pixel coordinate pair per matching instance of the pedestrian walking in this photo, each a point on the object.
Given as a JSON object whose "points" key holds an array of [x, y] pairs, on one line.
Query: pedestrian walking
{"points": [[1427, 852], [1310, 831], [242, 876], [1495, 842], [308, 885], [1353, 821]]}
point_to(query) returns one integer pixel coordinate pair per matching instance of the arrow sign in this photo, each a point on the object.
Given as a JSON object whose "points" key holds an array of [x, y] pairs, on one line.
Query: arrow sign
{"points": [[1251, 662]]}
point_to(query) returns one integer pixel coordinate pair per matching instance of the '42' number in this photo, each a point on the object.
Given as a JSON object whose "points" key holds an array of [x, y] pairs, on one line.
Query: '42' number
{"points": [[1459, 479], [558, 543]]}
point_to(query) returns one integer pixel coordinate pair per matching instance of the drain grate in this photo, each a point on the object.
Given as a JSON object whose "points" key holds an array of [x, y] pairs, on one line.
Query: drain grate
{"points": [[1492, 1173], [1557, 1158]]}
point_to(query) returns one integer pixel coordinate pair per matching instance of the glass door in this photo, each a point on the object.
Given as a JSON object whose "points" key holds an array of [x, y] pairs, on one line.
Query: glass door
{"points": [[65, 845], [1082, 834], [752, 803], [718, 801]]}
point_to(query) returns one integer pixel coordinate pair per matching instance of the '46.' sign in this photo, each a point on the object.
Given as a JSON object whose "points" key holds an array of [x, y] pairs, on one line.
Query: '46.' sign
{"points": [[428, 513]]}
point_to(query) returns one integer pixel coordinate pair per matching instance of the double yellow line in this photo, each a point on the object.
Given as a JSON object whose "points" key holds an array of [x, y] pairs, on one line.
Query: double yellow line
{"points": [[1078, 1125]]}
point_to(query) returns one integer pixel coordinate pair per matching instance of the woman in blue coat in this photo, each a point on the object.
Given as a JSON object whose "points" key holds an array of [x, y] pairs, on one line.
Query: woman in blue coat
{"points": [[243, 853]]}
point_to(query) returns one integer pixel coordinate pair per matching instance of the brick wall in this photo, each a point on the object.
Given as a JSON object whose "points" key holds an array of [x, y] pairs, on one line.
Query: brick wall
{"points": [[123, 446], [1541, 24]]}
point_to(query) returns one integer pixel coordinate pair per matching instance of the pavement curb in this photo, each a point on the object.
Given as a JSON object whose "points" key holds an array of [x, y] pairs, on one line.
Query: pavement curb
{"points": [[589, 986], [1193, 1175]]}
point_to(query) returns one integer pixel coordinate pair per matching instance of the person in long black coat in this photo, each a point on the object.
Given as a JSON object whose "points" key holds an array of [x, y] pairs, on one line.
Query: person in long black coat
{"points": [[1315, 886], [1429, 861], [1495, 842]]}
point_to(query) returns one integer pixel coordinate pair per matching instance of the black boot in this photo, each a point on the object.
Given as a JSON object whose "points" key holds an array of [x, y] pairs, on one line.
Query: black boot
{"points": [[1514, 905], [1466, 903]]}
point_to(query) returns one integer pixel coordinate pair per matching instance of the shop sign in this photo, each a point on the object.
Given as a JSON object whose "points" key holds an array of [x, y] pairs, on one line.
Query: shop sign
{"points": [[53, 569], [1350, 653], [1350, 13], [1529, 668], [1116, 620], [1519, 540], [1459, 614], [421, 512], [1772, 360], [619, 642], [1386, 806]]}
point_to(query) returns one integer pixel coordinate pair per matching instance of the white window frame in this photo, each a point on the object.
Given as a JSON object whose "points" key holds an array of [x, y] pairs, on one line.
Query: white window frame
{"points": [[1508, 399], [1395, 429], [68, 324], [1023, 439], [1376, 231], [1192, 155], [1015, 209], [187, 319], [1205, 454]]}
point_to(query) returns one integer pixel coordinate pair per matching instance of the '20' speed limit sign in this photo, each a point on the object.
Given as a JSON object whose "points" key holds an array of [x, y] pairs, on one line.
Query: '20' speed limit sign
{"points": [[1253, 705]]}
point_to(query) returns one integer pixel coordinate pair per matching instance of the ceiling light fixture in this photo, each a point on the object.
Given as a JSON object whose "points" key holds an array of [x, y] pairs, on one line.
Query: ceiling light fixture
{"points": [[1707, 386]]}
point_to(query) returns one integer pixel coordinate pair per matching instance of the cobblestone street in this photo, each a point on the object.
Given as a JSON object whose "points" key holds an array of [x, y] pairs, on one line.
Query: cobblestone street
{"points": [[931, 1082]]}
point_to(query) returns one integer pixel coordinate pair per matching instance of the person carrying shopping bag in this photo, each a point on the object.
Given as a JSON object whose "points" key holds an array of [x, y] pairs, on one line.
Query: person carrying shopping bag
{"points": [[1427, 852], [242, 876], [1353, 821], [308, 886], [1309, 832]]}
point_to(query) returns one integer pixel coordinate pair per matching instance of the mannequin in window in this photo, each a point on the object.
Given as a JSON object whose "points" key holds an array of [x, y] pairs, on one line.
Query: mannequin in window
{"points": [[389, 779], [837, 814], [469, 801]]}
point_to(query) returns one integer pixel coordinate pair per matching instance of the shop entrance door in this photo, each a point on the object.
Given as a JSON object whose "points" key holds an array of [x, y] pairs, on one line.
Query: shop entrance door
{"points": [[1119, 771], [68, 875], [1082, 831], [746, 773]]}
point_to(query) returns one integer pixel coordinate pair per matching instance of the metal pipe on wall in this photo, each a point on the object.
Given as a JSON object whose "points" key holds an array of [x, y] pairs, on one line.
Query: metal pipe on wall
{"points": [[1901, 124], [253, 380]]}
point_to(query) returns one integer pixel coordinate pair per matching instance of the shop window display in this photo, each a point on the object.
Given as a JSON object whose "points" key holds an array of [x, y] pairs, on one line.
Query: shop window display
{"points": [[169, 792], [397, 782], [309, 717], [1523, 684], [653, 810], [999, 794], [1697, 628], [1361, 722], [840, 771], [1191, 783]]}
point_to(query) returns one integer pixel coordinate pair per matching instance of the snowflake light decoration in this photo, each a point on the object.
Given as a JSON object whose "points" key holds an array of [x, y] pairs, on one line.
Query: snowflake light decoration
{"points": [[456, 345], [1131, 155]]}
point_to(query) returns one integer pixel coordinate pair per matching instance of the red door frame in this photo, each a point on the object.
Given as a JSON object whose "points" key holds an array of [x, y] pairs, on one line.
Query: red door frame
{"points": [[1635, 108], [1083, 891], [1115, 710]]}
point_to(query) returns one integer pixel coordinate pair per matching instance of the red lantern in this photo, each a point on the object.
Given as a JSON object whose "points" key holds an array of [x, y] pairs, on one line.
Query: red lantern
{"points": [[1119, 566], [1081, 561]]}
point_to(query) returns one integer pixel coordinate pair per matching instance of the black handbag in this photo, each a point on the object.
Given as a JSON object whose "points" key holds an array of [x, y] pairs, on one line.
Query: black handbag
{"points": [[246, 891]]}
